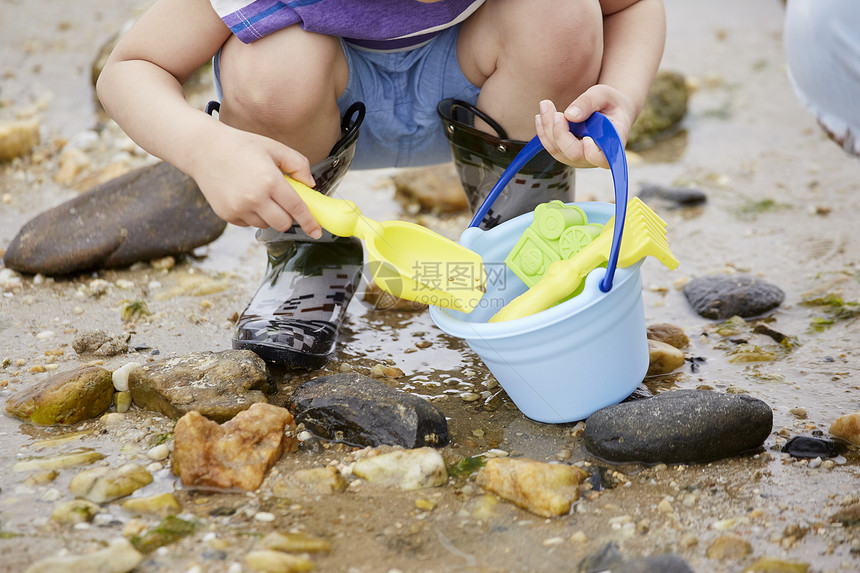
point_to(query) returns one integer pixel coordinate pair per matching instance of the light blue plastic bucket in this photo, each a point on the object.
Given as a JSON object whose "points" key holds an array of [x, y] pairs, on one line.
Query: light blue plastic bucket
{"points": [[563, 363]]}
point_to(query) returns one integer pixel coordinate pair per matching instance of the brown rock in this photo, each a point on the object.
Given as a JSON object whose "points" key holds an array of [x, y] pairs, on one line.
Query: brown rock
{"points": [[217, 385], [668, 333], [235, 454], [847, 428], [65, 398], [544, 489], [663, 357], [436, 188], [729, 547]]}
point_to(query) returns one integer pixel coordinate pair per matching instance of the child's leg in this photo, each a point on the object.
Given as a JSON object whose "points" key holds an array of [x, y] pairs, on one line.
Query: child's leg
{"points": [[285, 86], [519, 53]]}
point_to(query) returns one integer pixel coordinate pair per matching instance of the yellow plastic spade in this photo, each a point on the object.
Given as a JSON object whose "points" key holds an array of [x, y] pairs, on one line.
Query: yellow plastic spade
{"points": [[405, 259]]}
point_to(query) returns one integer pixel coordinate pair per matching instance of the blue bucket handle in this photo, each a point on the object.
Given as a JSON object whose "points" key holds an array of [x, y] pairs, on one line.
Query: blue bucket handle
{"points": [[600, 129]]}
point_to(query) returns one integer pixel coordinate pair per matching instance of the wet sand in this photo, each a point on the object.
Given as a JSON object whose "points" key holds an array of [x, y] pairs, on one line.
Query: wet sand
{"points": [[782, 204]]}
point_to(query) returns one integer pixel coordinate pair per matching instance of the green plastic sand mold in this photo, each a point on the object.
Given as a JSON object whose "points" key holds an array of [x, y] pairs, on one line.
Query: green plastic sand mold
{"points": [[644, 234], [558, 232]]}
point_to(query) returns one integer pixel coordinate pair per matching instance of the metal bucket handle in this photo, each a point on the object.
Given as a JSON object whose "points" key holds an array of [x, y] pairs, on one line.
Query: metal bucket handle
{"points": [[600, 129]]}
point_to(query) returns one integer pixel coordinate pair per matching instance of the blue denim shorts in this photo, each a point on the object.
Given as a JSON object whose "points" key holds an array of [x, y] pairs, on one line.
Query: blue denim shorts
{"points": [[400, 91]]}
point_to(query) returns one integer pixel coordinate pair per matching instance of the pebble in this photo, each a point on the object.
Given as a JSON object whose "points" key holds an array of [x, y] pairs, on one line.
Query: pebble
{"points": [[669, 334], [811, 447], [105, 484], [120, 376], [237, 453], [847, 428], [362, 411], [294, 543], [119, 557], [663, 358], [162, 504], [75, 511], [159, 452], [264, 516], [270, 561], [771, 565], [59, 461], [406, 469], [720, 297], [579, 537], [123, 401], [729, 547], [544, 489]]}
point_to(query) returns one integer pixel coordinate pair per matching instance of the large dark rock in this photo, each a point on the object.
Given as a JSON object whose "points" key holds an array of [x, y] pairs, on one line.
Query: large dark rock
{"points": [[218, 385], [362, 411], [679, 426], [148, 213], [724, 296]]}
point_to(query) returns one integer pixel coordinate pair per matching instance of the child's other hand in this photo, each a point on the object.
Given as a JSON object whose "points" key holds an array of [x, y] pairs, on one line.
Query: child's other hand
{"points": [[242, 177], [554, 131]]}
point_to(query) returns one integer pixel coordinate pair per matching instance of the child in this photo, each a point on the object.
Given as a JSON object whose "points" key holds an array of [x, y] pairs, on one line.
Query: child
{"points": [[295, 80]]}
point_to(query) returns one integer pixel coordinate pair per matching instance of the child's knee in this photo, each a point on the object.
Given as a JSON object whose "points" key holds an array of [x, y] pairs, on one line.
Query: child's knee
{"points": [[266, 77]]}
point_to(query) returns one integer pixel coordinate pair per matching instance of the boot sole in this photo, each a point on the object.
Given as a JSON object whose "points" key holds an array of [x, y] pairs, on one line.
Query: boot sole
{"points": [[281, 356]]}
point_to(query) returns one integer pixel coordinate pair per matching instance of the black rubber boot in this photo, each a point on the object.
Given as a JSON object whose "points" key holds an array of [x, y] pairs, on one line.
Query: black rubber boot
{"points": [[294, 317], [481, 158]]}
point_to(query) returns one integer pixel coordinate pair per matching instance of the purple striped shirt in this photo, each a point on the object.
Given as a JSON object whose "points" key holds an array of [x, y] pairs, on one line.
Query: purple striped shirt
{"points": [[373, 24]]}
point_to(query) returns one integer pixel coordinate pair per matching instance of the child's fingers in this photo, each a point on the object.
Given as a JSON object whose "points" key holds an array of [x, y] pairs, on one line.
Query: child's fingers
{"points": [[593, 154], [296, 208], [275, 216], [294, 164]]}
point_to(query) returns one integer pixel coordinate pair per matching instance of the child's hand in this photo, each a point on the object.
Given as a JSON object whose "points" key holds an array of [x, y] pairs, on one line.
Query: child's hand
{"points": [[242, 177], [554, 131]]}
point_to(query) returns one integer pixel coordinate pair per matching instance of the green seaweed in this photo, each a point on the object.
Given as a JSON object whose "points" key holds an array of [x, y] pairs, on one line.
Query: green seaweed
{"points": [[168, 530], [752, 208], [132, 309], [159, 439], [835, 310], [465, 466]]}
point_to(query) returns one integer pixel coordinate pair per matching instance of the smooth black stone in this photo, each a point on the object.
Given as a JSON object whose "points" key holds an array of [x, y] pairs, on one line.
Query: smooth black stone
{"points": [[674, 196], [361, 411], [724, 296], [680, 426], [809, 447], [148, 213]]}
